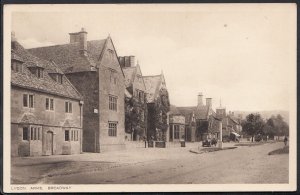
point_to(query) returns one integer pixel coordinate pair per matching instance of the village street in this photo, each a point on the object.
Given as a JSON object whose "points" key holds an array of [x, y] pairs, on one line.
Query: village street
{"points": [[172, 165]]}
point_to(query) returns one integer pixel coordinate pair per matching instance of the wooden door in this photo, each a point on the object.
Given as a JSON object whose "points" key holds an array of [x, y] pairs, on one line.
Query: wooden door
{"points": [[49, 143]]}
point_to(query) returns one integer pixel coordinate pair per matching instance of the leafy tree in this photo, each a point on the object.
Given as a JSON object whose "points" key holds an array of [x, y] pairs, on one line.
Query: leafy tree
{"points": [[276, 126], [162, 107], [253, 125], [135, 117]]}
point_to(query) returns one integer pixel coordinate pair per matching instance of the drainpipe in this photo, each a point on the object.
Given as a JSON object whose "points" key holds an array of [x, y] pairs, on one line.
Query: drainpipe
{"points": [[81, 118]]}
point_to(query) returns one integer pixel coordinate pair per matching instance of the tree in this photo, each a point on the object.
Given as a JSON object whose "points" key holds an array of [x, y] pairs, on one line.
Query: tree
{"points": [[276, 126], [253, 125], [135, 114], [162, 107]]}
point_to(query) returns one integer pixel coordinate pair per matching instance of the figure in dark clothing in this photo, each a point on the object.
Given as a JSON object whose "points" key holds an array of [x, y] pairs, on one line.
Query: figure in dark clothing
{"points": [[285, 140]]}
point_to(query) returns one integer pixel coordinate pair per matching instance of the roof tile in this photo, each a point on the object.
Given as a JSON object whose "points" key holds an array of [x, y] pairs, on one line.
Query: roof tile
{"points": [[46, 84]]}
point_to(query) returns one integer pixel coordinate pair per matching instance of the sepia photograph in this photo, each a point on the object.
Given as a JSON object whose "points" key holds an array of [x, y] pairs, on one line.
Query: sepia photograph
{"points": [[185, 97]]}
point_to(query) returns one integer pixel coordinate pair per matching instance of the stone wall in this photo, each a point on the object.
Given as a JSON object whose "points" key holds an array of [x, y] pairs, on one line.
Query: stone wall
{"points": [[87, 83], [47, 121], [109, 69]]}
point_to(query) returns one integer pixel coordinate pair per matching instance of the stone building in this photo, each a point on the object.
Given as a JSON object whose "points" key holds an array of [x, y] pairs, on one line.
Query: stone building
{"points": [[94, 69], [46, 109], [230, 124], [200, 120], [177, 127], [135, 102], [158, 106]]}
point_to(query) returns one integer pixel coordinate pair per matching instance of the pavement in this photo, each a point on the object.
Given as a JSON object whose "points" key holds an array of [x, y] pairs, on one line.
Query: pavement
{"points": [[175, 165]]}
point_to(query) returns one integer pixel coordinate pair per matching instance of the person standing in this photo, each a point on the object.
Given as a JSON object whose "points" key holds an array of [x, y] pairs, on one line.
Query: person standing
{"points": [[285, 140]]}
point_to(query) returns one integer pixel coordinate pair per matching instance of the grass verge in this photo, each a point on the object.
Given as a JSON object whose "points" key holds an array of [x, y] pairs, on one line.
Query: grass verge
{"points": [[284, 150], [250, 144], [212, 149]]}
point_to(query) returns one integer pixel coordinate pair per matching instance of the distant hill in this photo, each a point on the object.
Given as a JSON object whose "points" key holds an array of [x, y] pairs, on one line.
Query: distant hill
{"points": [[266, 114]]}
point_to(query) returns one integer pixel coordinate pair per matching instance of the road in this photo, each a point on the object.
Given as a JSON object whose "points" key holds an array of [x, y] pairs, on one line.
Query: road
{"points": [[243, 165]]}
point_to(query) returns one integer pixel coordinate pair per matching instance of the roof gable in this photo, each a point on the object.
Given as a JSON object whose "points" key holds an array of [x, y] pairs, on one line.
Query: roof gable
{"points": [[152, 86], [129, 73], [46, 84], [109, 56]]}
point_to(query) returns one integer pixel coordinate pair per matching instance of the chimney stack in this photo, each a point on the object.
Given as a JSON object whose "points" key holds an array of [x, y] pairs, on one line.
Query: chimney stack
{"points": [[127, 61], [208, 102], [122, 61], [80, 37], [13, 39], [200, 99], [132, 61]]}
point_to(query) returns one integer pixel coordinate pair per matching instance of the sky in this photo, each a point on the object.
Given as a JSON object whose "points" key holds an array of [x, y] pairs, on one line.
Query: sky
{"points": [[243, 55]]}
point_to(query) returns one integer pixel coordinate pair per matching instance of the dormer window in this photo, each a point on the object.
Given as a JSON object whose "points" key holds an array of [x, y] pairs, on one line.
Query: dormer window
{"points": [[40, 72], [16, 66], [35, 69], [57, 77], [16, 63]]}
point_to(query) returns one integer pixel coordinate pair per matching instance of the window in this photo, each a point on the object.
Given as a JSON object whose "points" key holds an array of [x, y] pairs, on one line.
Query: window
{"points": [[31, 101], [28, 100], [59, 78], [40, 73], [176, 132], [110, 53], [113, 103], [37, 71], [49, 104], [25, 133], [77, 136], [112, 129], [67, 135], [35, 133], [71, 135], [68, 107], [140, 95], [16, 66], [113, 77], [25, 100]]}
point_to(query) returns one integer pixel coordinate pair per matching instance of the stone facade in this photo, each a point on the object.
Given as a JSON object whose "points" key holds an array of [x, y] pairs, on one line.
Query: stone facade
{"points": [[46, 129], [94, 69], [109, 70], [46, 110], [200, 120]]}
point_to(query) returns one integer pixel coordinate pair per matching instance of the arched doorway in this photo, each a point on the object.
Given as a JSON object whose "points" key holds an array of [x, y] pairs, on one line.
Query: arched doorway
{"points": [[49, 143]]}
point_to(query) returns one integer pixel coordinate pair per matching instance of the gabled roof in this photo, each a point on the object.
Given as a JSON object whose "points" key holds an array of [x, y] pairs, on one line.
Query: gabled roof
{"points": [[202, 112], [187, 112], [152, 84], [46, 84], [15, 56], [68, 57], [129, 73]]}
